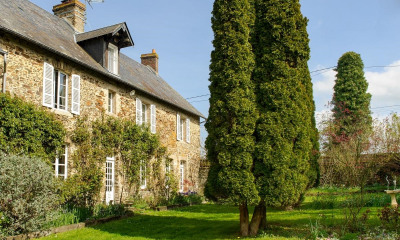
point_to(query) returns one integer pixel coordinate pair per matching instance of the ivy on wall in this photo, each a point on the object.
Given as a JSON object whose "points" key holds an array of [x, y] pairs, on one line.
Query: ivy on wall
{"points": [[25, 129], [132, 145]]}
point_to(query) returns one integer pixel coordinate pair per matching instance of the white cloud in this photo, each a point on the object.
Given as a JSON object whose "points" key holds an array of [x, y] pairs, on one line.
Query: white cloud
{"points": [[384, 86]]}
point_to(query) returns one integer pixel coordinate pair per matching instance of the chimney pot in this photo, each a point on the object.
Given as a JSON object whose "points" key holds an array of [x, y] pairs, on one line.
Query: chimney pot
{"points": [[151, 60]]}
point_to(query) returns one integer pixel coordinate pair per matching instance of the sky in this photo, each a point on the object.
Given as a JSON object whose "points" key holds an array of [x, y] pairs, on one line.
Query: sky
{"points": [[180, 31]]}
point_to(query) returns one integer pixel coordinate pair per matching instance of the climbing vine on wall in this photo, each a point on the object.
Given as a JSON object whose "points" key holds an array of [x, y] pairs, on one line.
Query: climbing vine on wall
{"points": [[135, 148]]}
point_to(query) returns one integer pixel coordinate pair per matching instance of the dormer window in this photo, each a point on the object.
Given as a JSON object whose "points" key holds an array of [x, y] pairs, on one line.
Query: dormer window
{"points": [[112, 58]]}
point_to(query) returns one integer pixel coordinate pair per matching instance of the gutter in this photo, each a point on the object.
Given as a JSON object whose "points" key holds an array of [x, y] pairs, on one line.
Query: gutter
{"points": [[4, 70]]}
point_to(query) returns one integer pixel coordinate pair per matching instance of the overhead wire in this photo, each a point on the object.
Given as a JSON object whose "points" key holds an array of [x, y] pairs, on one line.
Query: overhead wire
{"points": [[318, 71]]}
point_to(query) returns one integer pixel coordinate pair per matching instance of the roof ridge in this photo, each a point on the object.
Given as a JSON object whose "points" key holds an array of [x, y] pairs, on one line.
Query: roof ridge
{"points": [[101, 28]]}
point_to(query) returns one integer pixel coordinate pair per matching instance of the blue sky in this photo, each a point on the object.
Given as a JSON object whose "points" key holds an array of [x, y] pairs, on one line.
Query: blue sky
{"points": [[180, 31]]}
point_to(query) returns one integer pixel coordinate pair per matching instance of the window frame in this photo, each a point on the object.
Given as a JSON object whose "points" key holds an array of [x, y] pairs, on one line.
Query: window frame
{"points": [[179, 127], [181, 176], [56, 90], [57, 164], [111, 102], [142, 174], [188, 130], [153, 118], [112, 61]]}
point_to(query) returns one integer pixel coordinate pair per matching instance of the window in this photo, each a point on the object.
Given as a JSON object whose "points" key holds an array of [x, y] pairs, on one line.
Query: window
{"points": [[112, 58], [55, 89], [188, 130], [181, 176], [143, 114], [111, 102], [60, 90], [143, 182], [60, 165], [139, 116], [179, 127], [153, 118]]}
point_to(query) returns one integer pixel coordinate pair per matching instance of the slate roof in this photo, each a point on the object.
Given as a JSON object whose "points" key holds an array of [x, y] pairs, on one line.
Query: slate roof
{"points": [[34, 24]]}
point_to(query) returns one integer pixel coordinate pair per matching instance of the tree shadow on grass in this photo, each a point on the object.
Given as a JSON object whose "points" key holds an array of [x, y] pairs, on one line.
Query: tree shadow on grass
{"points": [[171, 227], [211, 209]]}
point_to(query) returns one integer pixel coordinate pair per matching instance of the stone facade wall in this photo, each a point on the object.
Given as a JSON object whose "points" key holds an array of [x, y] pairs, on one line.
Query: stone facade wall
{"points": [[25, 79]]}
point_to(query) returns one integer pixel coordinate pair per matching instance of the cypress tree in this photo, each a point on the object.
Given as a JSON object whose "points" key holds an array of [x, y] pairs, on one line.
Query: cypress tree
{"points": [[286, 127], [351, 102], [232, 114]]}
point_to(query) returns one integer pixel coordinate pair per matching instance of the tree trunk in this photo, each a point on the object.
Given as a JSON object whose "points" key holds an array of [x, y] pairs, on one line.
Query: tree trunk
{"points": [[244, 220], [263, 223], [259, 217]]}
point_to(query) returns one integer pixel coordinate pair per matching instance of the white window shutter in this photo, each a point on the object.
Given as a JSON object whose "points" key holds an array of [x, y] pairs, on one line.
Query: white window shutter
{"points": [[138, 111], [153, 118], [48, 88], [76, 94], [178, 127], [188, 130]]}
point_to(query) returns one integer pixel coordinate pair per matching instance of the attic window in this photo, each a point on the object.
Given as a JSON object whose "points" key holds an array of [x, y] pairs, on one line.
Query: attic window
{"points": [[112, 58]]}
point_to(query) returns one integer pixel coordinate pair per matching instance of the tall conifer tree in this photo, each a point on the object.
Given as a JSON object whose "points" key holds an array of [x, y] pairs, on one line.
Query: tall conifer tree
{"points": [[351, 102], [286, 127], [232, 114]]}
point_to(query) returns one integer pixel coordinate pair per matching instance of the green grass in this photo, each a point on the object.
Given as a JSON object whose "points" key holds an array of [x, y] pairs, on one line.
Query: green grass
{"points": [[209, 222], [212, 221]]}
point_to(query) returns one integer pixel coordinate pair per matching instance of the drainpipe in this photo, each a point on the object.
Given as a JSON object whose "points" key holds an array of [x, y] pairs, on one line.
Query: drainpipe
{"points": [[4, 70]]}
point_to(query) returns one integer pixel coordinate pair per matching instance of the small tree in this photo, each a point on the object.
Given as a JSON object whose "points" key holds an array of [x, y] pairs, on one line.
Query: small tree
{"points": [[27, 194]]}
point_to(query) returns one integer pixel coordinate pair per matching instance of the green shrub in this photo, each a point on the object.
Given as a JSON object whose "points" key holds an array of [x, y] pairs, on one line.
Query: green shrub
{"points": [[26, 129], [64, 217], [185, 199], [27, 194], [102, 210], [390, 218], [180, 199], [195, 199]]}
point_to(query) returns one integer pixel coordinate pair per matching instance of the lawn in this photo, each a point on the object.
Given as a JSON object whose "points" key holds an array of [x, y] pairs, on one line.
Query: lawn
{"points": [[211, 221]]}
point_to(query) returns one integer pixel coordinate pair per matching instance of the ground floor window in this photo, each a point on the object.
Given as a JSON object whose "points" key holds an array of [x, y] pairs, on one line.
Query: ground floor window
{"points": [[60, 164], [143, 182]]}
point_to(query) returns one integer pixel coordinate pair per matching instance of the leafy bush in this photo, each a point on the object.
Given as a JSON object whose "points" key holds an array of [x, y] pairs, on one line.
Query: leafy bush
{"points": [[195, 199], [102, 210], [354, 218], [390, 218], [26, 129], [189, 198], [27, 194]]}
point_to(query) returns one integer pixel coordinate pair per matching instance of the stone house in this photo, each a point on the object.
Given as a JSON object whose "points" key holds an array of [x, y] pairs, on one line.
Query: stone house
{"points": [[49, 60]]}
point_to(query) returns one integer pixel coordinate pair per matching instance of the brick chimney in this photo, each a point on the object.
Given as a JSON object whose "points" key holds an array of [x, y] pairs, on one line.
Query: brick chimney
{"points": [[150, 59], [72, 11]]}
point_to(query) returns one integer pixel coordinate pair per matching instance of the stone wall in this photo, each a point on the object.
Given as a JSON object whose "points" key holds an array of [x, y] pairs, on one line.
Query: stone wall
{"points": [[25, 79]]}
